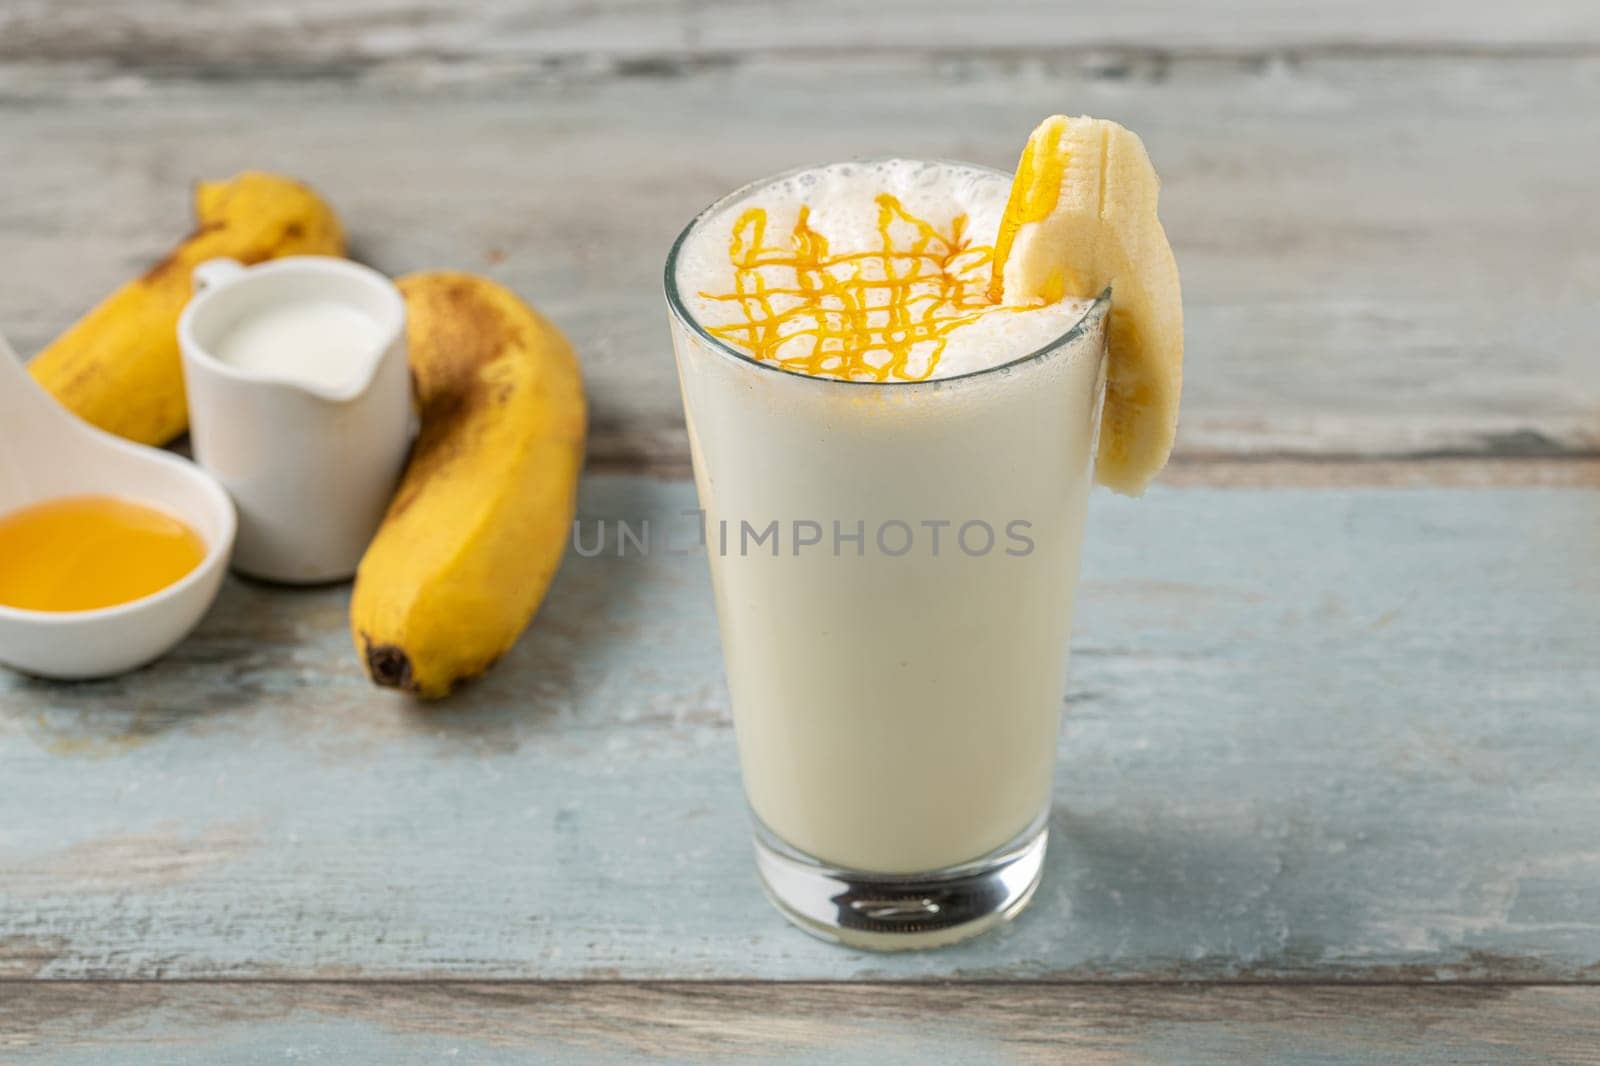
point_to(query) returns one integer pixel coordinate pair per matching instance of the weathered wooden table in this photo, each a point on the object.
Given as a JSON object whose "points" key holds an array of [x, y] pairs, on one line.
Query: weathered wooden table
{"points": [[1329, 784]]}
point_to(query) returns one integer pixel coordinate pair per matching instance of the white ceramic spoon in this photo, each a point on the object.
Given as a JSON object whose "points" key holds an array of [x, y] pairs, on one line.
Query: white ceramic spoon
{"points": [[46, 452]]}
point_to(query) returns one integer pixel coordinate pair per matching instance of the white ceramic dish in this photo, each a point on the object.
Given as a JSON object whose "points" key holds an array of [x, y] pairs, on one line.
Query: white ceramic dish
{"points": [[46, 452]]}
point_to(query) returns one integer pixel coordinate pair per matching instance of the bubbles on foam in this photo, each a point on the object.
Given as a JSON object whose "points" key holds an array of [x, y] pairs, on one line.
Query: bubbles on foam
{"points": [[844, 195]]}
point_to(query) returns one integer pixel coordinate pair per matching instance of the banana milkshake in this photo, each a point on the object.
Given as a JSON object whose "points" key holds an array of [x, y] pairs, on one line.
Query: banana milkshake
{"points": [[893, 454]]}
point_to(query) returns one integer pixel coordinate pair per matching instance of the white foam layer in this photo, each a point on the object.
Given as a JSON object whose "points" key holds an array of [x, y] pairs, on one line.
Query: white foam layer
{"points": [[842, 201]]}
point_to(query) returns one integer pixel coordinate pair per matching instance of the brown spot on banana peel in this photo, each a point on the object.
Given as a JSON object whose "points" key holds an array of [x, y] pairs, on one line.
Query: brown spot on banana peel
{"points": [[455, 386]]}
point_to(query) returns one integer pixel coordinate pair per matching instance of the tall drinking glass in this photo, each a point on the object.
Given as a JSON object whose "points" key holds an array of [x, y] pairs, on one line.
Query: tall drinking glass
{"points": [[894, 568]]}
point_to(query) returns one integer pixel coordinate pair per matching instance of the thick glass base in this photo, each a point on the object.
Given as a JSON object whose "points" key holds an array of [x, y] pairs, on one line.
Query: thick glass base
{"points": [[900, 912]]}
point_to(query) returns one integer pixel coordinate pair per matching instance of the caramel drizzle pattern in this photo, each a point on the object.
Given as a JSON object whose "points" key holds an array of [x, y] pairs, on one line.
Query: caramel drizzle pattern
{"points": [[865, 316]]}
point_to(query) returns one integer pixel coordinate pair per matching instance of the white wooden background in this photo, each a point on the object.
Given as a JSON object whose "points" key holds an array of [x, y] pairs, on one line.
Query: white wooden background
{"points": [[1327, 784]]}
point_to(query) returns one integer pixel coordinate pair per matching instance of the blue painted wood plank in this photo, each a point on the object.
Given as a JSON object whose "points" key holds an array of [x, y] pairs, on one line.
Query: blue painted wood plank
{"points": [[1327, 734], [180, 1024]]}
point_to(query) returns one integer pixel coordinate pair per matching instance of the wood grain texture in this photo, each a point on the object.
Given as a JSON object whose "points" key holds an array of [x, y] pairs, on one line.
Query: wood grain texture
{"points": [[308, 34], [68, 1023], [1322, 472], [1335, 723], [1361, 278], [1329, 734]]}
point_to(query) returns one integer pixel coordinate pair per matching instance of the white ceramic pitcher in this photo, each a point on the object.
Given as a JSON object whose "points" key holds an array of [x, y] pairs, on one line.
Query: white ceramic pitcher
{"points": [[310, 468]]}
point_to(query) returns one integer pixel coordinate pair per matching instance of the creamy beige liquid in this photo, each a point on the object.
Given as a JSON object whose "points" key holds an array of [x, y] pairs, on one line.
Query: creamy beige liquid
{"points": [[896, 709]]}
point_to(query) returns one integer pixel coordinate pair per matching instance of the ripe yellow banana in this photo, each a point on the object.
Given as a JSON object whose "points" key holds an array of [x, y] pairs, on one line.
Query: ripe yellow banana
{"points": [[485, 507], [118, 367], [1081, 218]]}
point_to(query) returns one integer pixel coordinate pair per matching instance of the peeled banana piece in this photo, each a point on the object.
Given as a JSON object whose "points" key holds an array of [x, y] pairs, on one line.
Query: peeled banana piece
{"points": [[1081, 219], [118, 366], [484, 509]]}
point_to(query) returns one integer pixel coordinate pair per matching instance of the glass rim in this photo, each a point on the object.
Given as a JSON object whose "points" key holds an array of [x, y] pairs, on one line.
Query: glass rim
{"points": [[681, 312]]}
